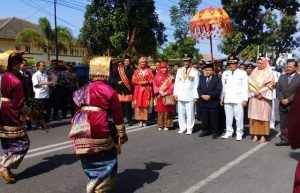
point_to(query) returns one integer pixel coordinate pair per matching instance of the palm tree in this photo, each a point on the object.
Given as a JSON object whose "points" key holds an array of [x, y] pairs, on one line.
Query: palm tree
{"points": [[43, 37]]}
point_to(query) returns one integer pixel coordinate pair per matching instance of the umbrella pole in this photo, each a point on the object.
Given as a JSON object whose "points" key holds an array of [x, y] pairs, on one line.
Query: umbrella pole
{"points": [[211, 48]]}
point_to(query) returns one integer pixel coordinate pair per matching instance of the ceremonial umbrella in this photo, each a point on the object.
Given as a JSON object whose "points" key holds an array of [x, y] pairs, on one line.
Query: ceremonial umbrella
{"points": [[208, 23]]}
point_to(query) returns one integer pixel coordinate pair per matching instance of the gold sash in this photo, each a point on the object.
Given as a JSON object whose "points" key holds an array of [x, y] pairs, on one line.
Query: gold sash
{"points": [[124, 77]]}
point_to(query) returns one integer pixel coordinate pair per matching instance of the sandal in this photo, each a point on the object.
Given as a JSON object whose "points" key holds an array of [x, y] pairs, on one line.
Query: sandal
{"points": [[262, 139], [7, 177], [254, 138]]}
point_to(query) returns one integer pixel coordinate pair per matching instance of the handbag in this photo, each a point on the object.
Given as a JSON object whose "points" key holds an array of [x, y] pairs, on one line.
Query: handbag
{"points": [[169, 100]]}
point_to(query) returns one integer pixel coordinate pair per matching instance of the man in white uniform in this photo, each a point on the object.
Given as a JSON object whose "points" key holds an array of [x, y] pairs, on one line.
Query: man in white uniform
{"points": [[276, 77], [234, 97], [185, 92]]}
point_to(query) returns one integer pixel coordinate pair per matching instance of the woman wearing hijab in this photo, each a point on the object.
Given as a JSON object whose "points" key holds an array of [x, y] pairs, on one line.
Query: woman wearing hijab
{"points": [[163, 86], [261, 84], [143, 94]]}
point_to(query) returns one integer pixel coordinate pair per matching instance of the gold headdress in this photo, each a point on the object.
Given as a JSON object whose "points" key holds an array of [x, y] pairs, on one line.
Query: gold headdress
{"points": [[100, 68], [5, 56]]}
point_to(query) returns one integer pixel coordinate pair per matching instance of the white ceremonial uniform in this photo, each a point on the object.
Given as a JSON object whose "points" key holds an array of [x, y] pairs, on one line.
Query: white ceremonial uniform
{"points": [[273, 119], [235, 91], [185, 88]]}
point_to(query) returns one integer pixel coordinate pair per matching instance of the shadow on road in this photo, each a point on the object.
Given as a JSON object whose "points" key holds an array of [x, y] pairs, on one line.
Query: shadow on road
{"points": [[50, 163], [133, 179]]}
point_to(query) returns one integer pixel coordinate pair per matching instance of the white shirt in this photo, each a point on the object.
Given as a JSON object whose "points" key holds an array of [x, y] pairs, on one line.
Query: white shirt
{"points": [[43, 91], [186, 85], [235, 86], [276, 78]]}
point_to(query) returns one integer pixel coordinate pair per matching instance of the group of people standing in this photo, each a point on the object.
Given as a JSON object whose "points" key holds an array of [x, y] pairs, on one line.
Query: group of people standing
{"points": [[238, 95], [97, 141]]}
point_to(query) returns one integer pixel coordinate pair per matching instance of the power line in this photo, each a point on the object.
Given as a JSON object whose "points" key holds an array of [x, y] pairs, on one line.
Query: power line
{"points": [[33, 4], [38, 10], [66, 5]]}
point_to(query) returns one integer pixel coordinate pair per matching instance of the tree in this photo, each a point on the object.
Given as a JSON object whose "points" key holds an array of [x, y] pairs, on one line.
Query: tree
{"points": [[180, 19], [178, 48], [43, 37], [270, 24], [110, 27]]}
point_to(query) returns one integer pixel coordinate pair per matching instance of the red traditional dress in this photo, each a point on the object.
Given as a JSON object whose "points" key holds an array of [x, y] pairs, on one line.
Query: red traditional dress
{"points": [[163, 83], [92, 133], [293, 134], [13, 136], [143, 93]]}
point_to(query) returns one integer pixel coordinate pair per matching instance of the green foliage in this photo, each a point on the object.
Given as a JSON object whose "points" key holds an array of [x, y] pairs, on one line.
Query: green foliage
{"points": [[181, 16], [180, 19], [177, 49], [43, 38], [110, 25], [270, 24]]}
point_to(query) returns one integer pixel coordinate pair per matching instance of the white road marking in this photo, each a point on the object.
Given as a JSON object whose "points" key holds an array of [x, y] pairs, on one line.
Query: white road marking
{"points": [[49, 146], [196, 188], [68, 144], [48, 151]]}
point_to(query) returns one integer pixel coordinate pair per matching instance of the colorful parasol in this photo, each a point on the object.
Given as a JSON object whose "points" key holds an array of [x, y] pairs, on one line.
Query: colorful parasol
{"points": [[210, 22]]}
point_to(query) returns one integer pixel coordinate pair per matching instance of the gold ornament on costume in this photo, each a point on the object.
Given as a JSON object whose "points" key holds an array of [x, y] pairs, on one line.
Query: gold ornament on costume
{"points": [[186, 74], [100, 68]]}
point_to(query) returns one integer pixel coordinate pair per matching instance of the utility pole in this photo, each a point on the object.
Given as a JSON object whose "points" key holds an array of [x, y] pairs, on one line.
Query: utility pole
{"points": [[55, 25]]}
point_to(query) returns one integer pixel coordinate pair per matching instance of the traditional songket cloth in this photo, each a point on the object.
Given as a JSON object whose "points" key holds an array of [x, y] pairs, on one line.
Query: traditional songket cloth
{"points": [[143, 94], [260, 110], [14, 140], [293, 134], [91, 130], [163, 82]]}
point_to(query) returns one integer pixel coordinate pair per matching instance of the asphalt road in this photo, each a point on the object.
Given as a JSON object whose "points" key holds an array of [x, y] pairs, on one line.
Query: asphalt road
{"points": [[161, 162]]}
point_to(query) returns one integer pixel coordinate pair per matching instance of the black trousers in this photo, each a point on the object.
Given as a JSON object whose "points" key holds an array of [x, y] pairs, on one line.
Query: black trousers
{"points": [[210, 120], [45, 103], [283, 115], [198, 111], [67, 102], [128, 110], [222, 119], [56, 100]]}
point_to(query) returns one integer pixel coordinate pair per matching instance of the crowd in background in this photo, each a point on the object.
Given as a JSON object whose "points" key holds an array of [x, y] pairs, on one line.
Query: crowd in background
{"points": [[148, 94], [51, 88]]}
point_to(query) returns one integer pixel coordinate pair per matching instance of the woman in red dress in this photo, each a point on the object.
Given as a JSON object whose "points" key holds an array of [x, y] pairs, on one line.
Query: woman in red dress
{"points": [[143, 93], [163, 85]]}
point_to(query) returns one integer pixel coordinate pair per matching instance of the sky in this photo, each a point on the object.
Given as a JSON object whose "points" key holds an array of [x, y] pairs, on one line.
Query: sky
{"points": [[73, 17]]}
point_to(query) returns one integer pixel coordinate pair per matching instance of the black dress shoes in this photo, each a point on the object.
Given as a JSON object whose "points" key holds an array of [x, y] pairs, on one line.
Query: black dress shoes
{"points": [[204, 133], [215, 136], [282, 143]]}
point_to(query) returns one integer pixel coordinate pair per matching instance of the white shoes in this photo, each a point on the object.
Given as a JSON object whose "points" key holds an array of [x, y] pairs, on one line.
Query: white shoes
{"points": [[181, 131], [239, 137], [189, 132], [159, 128], [166, 129], [227, 135]]}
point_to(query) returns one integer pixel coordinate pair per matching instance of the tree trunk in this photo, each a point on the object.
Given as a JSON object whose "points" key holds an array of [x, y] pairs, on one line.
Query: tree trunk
{"points": [[131, 40]]}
